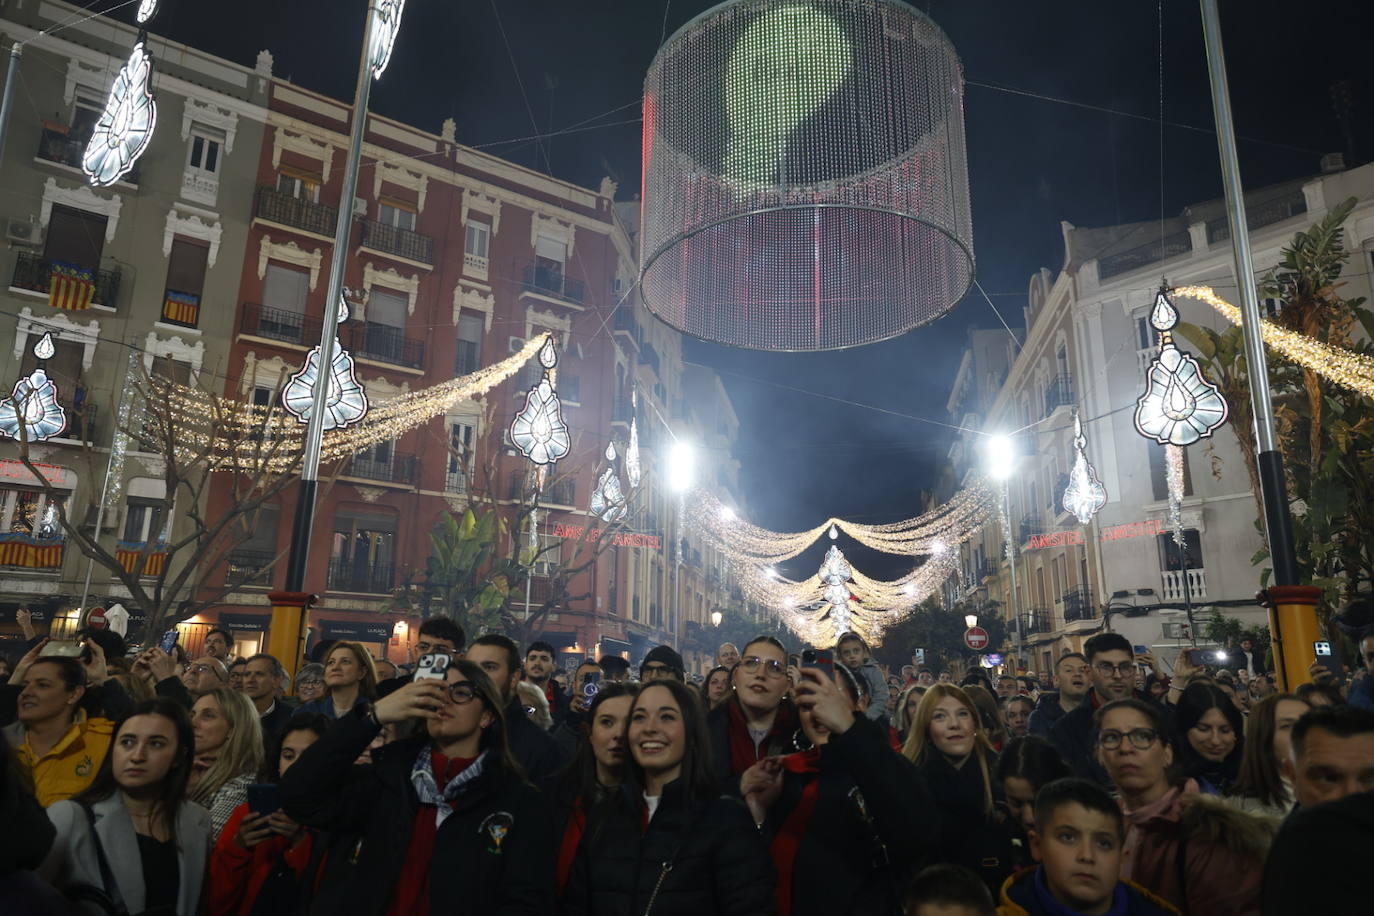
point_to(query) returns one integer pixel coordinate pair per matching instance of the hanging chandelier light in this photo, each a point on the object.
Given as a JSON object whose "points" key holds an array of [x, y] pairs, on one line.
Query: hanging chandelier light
{"points": [[31, 412], [607, 501], [388, 24], [1179, 405], [125, 127], [538, 430], [633, 469], [1085, 495], [346, 403]]}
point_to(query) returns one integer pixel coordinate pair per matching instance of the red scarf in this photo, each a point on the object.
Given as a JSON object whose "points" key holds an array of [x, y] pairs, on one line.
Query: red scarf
{"points": [[789, 837], [743, 753], [572, 838], [412, 887]]}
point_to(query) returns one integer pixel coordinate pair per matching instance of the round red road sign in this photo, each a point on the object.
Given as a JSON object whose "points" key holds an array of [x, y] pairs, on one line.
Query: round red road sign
{"points": [[96, 618], [976, 638]]}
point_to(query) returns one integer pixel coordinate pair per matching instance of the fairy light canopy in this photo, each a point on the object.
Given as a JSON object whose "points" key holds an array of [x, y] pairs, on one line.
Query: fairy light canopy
{"points": [[805, 183], [125, 127], [1179, 405]]}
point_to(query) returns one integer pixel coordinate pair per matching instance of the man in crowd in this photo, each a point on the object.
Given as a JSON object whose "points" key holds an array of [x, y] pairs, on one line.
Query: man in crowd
{"points": [[440, 634], [661, 662], [924, 677], [614, 669], [1310, 867], [1006, 687], [219, 644], [532, 747], [263, 678], [1362, 690], [236, 673], [204, 675], [1072, 676], [1112, 667], [727, 655], [1247, 660], [386, 670], [539, 660]]}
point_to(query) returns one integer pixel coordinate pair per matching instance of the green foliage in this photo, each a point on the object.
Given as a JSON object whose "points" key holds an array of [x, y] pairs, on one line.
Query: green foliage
{"points": [[1229, 631], [464, 578], [941, 633]]}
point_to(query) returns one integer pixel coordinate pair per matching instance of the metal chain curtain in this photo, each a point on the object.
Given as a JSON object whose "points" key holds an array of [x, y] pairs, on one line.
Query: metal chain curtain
{"points": [[805, 178]]}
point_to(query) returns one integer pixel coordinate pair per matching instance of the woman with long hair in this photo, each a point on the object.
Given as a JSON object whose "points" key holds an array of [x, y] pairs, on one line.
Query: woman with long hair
{"points": [[950, 748], [131, 842], [907, 702], [758, 720], [596, 770], [1025, 766], [257, 865], [228, 753], [1208, 731], [715, 689], [666, 843], [439, 822], [57, 740], [1261, 787], [847, 819], [350, 681], [1196, 852]]}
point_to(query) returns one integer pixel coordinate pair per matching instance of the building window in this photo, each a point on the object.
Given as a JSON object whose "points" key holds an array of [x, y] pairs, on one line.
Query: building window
{"points": [[394, 213], [185, 281], [469, 358], [1159, 479], [87, 106], [206, 149], [570, 388], [24, 511], [362, 552], [478, 240], [284, 292], [75, 237], [1144, 333], [1172, 557], [145, 520], [299, 185], [173, 370], [459, 457]]}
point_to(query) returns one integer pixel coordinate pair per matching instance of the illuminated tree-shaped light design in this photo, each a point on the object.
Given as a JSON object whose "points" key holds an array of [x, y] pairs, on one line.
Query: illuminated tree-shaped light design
{"points": [[126, 125], [388, 13], [538, 430], [633, 468], [146, 9], [1085, 495], [608, 502], [1179, 405], [31, 412], [835, 573]]}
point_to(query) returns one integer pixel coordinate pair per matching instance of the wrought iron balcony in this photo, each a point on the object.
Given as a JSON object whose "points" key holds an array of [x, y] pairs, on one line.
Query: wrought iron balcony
{"points": [[56, 143], [1274, 210], [456, 482], [383, 343], [1078, 605], [34, 272], [1059, 393], [404, 243], [278, 324], [280, 207], [1036, 620], [553, 283], [348, 575], [396, 469], [251, 567]]}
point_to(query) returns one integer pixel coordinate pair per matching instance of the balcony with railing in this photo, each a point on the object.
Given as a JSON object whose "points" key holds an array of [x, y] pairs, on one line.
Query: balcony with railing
{"points": [[57, 144], [553, 284], [560, 493], [625, 323], [1173, 583], [383, 343], [1031, 523], [404, 243], [34, 272], [1059, 393], [622, 411], [1034, 621], [1170, 246], [1077, 604], [81, 421], [348, 575], [250, 567], [284, 325], [456, 481], [1265, 213], [298, 212], [396, 468]]}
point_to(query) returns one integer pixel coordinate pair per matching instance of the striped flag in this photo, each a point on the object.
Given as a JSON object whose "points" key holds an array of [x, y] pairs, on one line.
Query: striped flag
{"points": [[71, 287], [182, 308]]}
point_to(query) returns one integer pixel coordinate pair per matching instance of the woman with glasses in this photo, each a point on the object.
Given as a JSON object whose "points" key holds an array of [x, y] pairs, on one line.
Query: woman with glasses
{"points": [[1208, 731], [1194, 851], [950, 748], [310, 683], [757, 721], [440, 822]]}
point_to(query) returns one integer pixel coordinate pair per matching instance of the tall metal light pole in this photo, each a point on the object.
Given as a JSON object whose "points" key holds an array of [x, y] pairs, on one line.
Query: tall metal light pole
{"points": [[1293, 620], [289, 613], [681, 473]]}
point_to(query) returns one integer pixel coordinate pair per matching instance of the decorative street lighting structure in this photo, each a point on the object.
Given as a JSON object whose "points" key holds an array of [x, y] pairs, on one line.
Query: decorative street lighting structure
{"points": [[716, 617], [999, 453], [970, 620], [681, 472]]}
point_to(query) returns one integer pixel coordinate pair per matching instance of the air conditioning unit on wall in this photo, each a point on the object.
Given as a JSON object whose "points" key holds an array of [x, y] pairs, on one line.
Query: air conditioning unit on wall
{"points": [[21, 232]]}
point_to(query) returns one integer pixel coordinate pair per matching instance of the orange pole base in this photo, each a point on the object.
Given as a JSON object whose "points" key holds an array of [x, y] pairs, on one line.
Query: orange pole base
{"points": [[1294, 627], [286, 635]]}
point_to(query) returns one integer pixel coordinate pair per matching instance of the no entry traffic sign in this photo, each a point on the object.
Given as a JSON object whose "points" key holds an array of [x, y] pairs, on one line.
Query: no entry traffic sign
{"points": [[976, 638]]}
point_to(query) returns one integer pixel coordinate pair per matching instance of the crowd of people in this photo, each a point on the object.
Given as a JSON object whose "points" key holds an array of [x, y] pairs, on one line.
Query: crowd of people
{"points": [[480, 777]]}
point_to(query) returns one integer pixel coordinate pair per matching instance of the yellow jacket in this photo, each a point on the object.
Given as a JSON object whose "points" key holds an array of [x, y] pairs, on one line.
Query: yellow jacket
{"points": [[72, 763]]}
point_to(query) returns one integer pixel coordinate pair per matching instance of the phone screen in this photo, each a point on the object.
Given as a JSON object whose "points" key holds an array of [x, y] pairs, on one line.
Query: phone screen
{"points": [[262, 798], [591, 684], [169, 640]]}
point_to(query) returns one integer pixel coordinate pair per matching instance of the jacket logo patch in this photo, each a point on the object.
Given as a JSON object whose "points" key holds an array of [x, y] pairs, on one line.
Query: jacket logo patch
{"points": [[83, 769], [497, 825]]}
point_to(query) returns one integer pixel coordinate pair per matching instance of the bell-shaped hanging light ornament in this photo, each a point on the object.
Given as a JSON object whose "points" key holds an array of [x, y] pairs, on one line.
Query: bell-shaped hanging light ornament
{"points": [[539, 431], [125, 127], [1179, 405], [31, 412], [384, 29], [1085, 495], [346, 401], [45, 349]]}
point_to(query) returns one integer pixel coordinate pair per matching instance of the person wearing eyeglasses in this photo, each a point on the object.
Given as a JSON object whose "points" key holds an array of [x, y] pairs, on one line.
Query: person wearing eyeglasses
{"points": [[756, 721], [662, 661], [440, 822], [204, 675], [1196, 852], [1112, 667]]}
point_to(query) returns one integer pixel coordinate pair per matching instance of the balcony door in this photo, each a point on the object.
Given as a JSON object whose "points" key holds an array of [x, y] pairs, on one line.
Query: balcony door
{"points": [[363, 552], [75, 237], [386, 321], [284, 293]]}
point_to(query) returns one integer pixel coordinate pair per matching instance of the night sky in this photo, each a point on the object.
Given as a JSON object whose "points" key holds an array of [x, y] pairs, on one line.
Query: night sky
{"points": [[1032, 163]]}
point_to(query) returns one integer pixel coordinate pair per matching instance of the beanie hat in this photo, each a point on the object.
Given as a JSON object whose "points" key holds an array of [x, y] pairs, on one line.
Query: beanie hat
{"points": [[664, 655]]}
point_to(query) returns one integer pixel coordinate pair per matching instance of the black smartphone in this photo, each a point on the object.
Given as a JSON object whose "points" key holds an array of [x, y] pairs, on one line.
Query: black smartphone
{"points": [[823, 659], [1326, 655], [591, 684], [169, 641], [262, 798]]}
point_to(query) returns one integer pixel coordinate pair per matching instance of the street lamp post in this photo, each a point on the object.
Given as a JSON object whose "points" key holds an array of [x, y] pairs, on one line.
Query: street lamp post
{"points": [[1000, 454], [681, 474]]}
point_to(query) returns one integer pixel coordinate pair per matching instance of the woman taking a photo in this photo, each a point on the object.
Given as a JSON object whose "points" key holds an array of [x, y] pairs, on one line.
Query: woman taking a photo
{"points": [[1196, 852], [666, 843], [1261, 787], [228, 753], [55, 741], [350, 681], [595, 772], [950, 749], [451, 798], [131, 842], [1208, 729], [256, 867], [757, 721]]}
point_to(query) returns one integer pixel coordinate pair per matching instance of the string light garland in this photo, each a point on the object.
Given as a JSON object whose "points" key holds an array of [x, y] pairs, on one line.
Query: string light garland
{"points": [[1350, 370]]}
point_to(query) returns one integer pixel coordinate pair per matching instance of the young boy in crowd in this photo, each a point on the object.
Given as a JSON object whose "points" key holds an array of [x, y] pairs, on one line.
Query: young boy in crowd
{"points": [[948, 890], [1077, 840]]}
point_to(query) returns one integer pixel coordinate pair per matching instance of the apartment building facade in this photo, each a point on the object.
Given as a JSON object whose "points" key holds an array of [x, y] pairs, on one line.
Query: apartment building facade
{"points": [[1087, 348]]}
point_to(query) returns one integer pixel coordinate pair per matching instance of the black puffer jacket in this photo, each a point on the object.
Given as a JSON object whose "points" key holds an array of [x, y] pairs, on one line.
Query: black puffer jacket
{"points": [[475, 867], [531, 746], [706, 860], [873, 824], [969, 836]]}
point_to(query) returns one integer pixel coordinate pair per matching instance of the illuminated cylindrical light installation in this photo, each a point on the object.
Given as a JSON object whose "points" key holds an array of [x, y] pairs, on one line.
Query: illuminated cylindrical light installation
{"points": [[805, 181]]}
